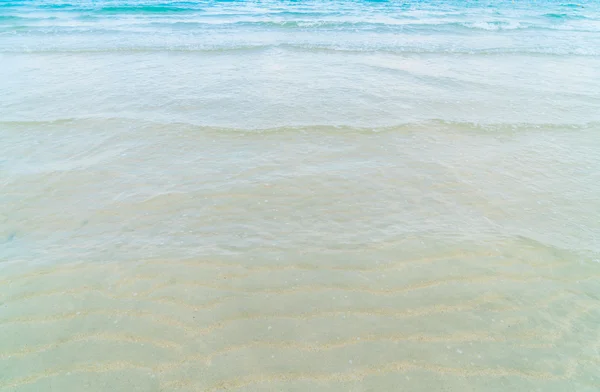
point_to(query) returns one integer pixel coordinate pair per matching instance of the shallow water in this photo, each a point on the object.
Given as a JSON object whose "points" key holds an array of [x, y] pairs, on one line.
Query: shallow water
{"points": [[292, 196]]}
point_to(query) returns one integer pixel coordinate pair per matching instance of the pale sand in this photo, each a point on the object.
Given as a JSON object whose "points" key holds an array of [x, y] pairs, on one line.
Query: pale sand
{"points": [[429, 318]]}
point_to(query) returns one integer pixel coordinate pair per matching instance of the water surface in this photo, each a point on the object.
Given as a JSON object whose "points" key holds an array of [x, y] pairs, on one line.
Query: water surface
{"points": [[299, 195]]}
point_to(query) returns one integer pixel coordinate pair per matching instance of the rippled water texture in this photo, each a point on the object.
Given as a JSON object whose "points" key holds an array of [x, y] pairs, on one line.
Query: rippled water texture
{"points": [[299, 196]]}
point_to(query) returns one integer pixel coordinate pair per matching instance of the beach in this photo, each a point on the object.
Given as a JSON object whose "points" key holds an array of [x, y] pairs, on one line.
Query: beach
{"points": [[292, 196]]}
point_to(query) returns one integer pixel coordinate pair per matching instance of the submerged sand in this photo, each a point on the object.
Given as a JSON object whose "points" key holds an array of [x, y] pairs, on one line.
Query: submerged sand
{"points": [[404, 314]]}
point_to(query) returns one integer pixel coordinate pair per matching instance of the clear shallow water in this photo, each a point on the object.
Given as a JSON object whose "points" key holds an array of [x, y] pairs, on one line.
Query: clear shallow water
{"points": [[267, 196]]}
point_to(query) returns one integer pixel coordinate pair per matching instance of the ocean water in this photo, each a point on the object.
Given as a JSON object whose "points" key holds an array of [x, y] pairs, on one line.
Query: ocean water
{"points": [[299, 195]]}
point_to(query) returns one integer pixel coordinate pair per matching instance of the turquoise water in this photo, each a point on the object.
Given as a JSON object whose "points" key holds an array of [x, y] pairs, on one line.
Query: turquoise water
{"points": [[272, 64], [299, 195]]}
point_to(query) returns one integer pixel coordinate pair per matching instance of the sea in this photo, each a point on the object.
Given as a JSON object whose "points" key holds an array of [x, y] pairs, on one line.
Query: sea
{"points": [[299, 195]]}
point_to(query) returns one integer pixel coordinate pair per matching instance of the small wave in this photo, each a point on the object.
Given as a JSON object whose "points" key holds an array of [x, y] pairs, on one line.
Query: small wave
{"points": [[10, 18], [145, 9], [408, 126], [94, 22], [283, 24], [556, 16], [316, 48], [563, 16], [88, 17], [26, 19], [122, 9], [56, 6], [145, 49], [496, 25]]}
